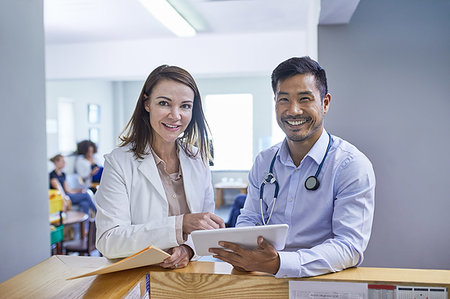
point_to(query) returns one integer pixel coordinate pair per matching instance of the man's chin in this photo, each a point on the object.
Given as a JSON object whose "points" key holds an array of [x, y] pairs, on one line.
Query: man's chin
{"points": [[297, 138]]}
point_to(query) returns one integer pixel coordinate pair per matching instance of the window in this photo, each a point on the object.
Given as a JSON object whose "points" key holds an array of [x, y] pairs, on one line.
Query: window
{"points": [[66, 126], [277, 134], [230, 118]]}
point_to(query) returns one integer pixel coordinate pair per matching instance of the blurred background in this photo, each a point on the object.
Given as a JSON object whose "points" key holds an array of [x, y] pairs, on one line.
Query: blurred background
{"points": [[73, 69]]}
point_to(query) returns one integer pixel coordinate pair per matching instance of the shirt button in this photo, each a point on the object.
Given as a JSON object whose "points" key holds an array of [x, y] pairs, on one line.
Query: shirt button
{"points": [[290, 199], [174, 196]]}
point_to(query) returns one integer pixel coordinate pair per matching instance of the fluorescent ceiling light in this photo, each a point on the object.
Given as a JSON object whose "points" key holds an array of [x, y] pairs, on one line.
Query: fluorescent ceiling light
{"points": [[169, 17]]}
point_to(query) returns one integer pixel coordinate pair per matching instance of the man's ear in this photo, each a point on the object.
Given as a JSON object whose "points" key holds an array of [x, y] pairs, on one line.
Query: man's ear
{"points": [[326, 103]]}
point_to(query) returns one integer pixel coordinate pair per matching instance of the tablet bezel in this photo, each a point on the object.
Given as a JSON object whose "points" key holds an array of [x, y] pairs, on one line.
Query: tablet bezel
{"points": [[244, 236]]}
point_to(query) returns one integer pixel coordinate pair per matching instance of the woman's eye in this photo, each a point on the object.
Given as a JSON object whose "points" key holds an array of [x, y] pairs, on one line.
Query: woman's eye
{"points": [[163, 103], [186, 106]]}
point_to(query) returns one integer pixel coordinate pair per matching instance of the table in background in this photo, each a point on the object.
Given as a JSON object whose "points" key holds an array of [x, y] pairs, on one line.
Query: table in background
{"points": [[198, 280], [220, 187], [70, 218]]}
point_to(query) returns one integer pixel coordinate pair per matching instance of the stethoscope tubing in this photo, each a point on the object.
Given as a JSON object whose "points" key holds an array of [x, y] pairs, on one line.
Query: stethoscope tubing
{"points": [[270, 179]]}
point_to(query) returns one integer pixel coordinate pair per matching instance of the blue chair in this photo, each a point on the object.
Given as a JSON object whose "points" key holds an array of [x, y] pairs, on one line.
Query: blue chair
{"points": [[238, 204]]}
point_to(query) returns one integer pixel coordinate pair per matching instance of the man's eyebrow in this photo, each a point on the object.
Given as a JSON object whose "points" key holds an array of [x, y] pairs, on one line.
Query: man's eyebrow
{"points": [[300, 93], [304, 93]]}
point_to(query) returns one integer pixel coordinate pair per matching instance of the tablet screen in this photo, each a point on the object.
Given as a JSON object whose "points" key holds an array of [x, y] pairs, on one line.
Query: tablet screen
{"points": [[243, 236]]}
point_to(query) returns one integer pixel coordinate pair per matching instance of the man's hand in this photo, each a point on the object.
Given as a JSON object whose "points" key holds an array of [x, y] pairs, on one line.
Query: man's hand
{"points": [[200, 221], [179, 257], [264, 258]]}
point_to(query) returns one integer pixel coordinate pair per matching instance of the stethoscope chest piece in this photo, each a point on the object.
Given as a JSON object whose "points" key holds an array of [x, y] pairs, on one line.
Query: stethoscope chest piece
{"points": [[312, 183]]}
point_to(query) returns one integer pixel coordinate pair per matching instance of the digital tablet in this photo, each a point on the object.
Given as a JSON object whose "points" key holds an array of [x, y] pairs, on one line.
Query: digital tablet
{"points": [[245, 236]]}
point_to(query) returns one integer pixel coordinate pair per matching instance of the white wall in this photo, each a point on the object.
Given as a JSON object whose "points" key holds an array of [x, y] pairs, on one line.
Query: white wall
{"points": [[218, 55], [82, 93], [25, 233], [389, 73]]}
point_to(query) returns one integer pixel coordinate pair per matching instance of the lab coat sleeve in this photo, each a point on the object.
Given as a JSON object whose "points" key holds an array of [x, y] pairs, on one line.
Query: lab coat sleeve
{"points": [[208, 206], [117, 235], [352, 224]]}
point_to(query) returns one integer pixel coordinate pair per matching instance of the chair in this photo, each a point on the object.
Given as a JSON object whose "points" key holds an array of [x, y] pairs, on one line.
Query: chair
{"points": [[84, 245], [235, 211]]}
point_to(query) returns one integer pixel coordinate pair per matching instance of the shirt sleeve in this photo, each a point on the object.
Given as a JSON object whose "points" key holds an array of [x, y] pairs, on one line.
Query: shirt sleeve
{"points": [[83, 167], [179, 229], [351, 222]]}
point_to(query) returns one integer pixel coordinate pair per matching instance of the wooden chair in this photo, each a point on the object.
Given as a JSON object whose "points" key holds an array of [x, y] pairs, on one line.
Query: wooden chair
{"points": [[84, 245]]}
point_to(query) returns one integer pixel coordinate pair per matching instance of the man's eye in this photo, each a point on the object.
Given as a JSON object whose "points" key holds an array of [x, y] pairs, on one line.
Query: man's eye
{"points": [[282, 99]]}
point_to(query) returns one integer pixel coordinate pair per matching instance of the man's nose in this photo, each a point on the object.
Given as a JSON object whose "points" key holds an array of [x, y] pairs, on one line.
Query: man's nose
{"points": [[295, 108]]}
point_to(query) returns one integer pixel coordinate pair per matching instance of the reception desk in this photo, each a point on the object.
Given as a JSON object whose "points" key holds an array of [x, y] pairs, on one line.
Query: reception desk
{"points": [[198, 280]]}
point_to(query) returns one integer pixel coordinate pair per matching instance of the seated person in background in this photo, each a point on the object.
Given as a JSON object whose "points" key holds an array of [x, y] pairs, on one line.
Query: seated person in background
{"points": [[156, 186], [76, 196], [87, 165], [329, 223]]}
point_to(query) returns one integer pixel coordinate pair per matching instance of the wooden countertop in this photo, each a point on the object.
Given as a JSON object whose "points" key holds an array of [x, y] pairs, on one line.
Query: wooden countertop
{"points": [[49, 279]]}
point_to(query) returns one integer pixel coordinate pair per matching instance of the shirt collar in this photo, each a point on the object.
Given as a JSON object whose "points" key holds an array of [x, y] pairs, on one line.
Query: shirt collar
{"points": [[158, 161], [316, 152]]}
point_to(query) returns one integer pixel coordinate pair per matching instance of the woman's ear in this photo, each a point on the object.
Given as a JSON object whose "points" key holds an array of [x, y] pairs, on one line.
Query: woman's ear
{"points": [[147, 106]]}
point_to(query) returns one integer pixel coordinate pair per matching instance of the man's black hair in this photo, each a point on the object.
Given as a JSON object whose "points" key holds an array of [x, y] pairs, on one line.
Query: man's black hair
{"points": [[301, 65]]}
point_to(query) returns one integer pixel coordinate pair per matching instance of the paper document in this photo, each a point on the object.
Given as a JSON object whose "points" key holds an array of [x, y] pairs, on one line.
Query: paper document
{"points": [[146, 257], [327, 290]]}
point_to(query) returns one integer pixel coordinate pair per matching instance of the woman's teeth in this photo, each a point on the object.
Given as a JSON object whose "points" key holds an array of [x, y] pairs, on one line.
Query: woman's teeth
{"points": [[170, 126]]}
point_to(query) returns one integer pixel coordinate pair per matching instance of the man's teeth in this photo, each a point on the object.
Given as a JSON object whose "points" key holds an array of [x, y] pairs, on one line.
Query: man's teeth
{"points": [[296, 122]]}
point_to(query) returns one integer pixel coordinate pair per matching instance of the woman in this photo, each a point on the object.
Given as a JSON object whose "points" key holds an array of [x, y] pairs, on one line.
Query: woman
{"points": [[156, 187], [86, 165], [76, 196]]}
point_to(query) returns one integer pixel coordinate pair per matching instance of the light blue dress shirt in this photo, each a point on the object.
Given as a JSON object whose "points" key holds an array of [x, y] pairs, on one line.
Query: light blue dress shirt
{"points": [[329, 228]]}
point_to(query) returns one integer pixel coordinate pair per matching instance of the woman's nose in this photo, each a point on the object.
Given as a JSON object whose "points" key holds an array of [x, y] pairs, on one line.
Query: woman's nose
{"points": [[175, 113]]}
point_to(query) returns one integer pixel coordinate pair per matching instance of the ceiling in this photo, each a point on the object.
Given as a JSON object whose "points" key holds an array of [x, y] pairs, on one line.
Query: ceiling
{"points": [[87, 21]]}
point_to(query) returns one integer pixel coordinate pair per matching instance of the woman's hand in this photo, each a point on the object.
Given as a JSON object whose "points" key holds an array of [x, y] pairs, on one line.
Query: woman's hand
{"points": [[179, 257], [201, 221]]}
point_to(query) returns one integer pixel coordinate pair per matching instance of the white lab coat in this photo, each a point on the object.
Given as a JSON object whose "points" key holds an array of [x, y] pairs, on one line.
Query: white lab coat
{"points": [[132, 207]]}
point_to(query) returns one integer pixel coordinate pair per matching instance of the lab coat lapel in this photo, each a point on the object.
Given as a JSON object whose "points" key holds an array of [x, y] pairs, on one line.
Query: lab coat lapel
{"points": [[188, 181], [149, 170]]}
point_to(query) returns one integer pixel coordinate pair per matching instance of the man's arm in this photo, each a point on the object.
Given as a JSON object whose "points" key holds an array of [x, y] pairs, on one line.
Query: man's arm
{"points": [[351, 222]]}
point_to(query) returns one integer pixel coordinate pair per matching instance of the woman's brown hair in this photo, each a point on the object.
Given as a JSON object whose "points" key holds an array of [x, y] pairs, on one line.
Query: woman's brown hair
{"points": [[138, 132], [56, 158]]}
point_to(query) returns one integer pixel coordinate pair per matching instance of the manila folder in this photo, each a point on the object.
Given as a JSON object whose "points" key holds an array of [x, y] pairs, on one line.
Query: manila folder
{"points": [[149, 256]]}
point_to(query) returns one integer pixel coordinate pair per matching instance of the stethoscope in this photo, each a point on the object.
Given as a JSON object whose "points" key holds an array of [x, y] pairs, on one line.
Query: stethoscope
{"points": [[312, 183]]}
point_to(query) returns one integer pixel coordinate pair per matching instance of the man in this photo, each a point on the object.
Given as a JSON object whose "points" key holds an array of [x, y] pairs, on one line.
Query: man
{"points": [[326, 186]]}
